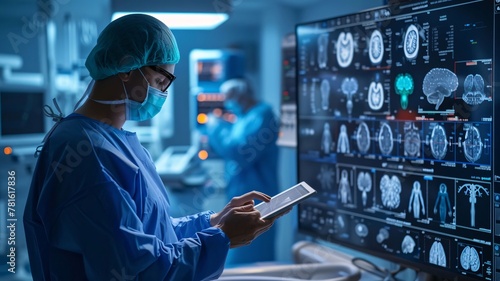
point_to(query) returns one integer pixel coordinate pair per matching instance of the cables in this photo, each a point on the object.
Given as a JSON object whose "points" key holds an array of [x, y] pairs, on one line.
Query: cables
{"points": [[383, 273]]}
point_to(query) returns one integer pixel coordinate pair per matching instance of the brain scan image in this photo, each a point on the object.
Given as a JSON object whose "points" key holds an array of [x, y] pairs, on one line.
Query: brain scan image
{"points": [[382, 235], [375, 96], [469, 259], [438, 142], [474, 90], [343, 141], [349, 87], [411, 42], [385, 139], [473, 145], [403, 85], [361, 230], [325, 177], [376, 47], [408, 245], [390, 188], [345, 49], [325, 94], [322, 50], [363, 137], [437, 255], [411, 140], [364, 185], [438, 84]]}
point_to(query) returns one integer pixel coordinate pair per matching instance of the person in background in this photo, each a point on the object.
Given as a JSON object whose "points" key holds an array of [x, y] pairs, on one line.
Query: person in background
{"points": [[97, 209], [249, 149]]}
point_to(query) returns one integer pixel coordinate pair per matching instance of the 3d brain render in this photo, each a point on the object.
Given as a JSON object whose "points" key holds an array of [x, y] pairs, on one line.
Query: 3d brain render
{"points": [[438, 84]]}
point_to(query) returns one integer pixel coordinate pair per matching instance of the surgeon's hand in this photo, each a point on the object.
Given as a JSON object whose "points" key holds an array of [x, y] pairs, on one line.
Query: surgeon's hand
{"points": [[238, 201], [240, 221]]}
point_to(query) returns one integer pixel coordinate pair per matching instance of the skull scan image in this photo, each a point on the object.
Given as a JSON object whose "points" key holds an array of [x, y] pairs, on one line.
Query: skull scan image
{"points": [[474, 90], [438, 84], [438, 142], [385, 139], [411, 42], [375, 96], [411, 140], [322, 50], [345, 49], [382, 235], [473, 145], [343, 142], [363, 137], [325, 94], [376, 47]]}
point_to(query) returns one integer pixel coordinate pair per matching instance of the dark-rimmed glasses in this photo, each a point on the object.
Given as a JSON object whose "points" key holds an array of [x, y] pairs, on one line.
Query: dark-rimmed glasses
{"points": [[165, 73]]}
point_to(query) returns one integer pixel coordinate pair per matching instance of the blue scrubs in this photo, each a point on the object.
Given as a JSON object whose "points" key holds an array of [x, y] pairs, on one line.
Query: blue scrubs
{"points": [[97, 210], [249, 149]]}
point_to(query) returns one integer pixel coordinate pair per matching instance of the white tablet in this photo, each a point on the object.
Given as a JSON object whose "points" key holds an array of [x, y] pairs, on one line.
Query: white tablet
{"points": [[285, 200]]}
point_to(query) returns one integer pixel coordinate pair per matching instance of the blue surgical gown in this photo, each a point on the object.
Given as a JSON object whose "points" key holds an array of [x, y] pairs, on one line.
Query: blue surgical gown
{"points": [[97, 210], [251, 158]]}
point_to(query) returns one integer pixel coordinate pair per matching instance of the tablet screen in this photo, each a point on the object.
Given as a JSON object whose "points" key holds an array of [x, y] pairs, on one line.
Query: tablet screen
{"points": [[285, 200]]}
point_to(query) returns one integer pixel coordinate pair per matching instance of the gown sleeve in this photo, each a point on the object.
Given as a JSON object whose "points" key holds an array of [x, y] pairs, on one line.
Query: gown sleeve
{"points": [[115, 243]]}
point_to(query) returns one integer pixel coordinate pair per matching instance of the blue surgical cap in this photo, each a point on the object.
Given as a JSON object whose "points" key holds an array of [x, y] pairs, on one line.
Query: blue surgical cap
{"points": [[131, 42]]}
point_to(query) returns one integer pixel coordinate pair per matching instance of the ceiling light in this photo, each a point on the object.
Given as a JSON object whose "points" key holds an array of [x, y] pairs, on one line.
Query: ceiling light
{"points": [[184, 20]]}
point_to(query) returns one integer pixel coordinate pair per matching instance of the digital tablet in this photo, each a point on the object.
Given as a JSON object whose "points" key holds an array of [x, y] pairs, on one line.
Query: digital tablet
{"points": [[285, 200]]}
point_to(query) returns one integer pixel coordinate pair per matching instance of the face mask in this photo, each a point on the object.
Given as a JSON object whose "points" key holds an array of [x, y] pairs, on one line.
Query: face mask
{"points": [[137, 111], [234, 107]]}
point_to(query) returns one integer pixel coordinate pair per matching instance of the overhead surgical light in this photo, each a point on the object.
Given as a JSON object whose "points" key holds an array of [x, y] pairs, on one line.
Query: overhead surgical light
{"points": [[192, 14], [184, 20]]}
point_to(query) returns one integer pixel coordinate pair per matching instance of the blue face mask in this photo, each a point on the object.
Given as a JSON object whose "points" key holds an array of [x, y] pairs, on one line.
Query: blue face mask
{"points": [[234, 107], [141, 111]]}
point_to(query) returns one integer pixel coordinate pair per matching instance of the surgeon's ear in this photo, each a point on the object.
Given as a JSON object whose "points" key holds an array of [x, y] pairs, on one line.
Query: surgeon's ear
{"points": [[124, 76]]}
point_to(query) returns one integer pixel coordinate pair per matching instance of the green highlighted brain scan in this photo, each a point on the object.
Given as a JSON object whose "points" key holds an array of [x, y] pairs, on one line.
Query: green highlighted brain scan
{"points": [[404, 87]]}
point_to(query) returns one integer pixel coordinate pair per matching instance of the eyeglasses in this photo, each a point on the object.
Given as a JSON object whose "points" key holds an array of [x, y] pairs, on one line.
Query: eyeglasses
{"points": [[165, 73]]}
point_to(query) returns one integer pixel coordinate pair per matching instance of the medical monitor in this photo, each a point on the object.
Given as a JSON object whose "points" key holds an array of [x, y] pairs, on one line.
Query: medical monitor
{"points": [[396, 131], [22, 121]]}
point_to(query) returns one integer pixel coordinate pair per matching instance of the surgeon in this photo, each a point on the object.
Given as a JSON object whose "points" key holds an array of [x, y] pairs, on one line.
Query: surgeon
{"points": [[97, 209], [249, 149]]}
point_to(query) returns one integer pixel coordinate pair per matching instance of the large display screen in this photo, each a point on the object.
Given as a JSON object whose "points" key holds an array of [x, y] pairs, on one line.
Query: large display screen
{"points": [[396, 132]]}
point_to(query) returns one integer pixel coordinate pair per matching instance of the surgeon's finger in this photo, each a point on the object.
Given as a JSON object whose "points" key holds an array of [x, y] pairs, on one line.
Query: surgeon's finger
{"points": [[239, 200]]}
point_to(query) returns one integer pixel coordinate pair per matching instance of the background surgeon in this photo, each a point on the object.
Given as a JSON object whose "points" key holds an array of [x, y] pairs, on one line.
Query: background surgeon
{"points": [[97, 209], [249, 149]]}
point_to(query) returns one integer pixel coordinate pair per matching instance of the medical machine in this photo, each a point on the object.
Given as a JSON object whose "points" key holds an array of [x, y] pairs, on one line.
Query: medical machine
{"points": [[396, 125], [208, 70], [288, 109], [22, 122]]}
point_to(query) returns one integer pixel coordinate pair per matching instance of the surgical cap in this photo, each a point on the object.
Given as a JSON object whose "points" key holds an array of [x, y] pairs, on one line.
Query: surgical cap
{"points": [[236, 87], [131, 42]]}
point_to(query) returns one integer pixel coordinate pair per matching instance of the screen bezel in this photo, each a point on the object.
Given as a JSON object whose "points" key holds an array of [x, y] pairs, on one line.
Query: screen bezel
{"points": [[418, 267]]}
